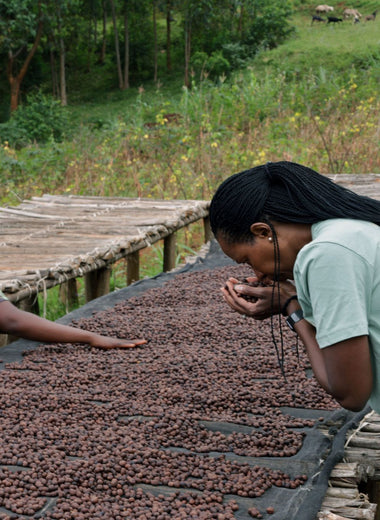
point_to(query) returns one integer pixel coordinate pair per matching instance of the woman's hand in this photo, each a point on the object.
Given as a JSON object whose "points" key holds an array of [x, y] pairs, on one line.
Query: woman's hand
{"points": [[108, 343], [262, 302]]}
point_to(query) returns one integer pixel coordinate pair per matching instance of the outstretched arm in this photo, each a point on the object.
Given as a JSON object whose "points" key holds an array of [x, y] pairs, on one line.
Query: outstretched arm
{"points": [[29, 326]]}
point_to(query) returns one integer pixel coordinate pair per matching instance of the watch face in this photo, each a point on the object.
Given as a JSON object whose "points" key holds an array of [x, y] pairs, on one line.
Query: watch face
{"points": [[290, 323], [295, 317]]}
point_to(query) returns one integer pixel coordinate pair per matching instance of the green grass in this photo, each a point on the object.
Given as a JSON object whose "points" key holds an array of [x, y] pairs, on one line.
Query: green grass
{"points": [[313, 100], [334, 47]]}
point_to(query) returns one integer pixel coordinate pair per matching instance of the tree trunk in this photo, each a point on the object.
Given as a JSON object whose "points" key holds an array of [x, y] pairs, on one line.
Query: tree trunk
{"points": [[104, 34], [126, 49], [15, 84], [168, 37], [241, 17], [187, 52], [117, 45], [155, 39], [16, 80], [54, 76], [62, 70]]}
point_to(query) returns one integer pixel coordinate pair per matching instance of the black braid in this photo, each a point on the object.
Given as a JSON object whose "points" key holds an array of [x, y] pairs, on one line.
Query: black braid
{"points": [[276, 289], [290, 193]]}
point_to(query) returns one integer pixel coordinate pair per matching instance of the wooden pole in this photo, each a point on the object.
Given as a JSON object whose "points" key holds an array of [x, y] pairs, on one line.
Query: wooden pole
{"points": [[170, 243], [133, 267], [29, 305], [207, 229], [97, 283], [68, 293]]}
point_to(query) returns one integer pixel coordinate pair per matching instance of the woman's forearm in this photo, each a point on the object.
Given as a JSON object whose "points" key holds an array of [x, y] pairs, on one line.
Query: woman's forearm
{"points": [[29, 326], [306, 332], [32, 327]]}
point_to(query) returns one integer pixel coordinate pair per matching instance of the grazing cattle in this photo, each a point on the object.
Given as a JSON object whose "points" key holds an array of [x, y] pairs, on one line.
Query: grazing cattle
{"points": [[316, 18], [334, 19], [371, 17], [354, 13], [323, 8]]}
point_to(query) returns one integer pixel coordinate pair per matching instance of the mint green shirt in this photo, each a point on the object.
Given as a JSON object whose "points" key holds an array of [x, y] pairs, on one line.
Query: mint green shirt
{"points": [[337, 276], [2, 296]]}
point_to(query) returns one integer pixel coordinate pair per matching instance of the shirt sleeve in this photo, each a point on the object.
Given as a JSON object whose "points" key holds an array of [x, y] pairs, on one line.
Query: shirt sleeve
{"points": [[333, 284], [2, 296]]}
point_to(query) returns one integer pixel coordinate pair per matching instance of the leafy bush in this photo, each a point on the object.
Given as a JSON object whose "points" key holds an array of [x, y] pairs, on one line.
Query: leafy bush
{"points": [[213, 66], [41, 119], [236, 54], [271, 26]]}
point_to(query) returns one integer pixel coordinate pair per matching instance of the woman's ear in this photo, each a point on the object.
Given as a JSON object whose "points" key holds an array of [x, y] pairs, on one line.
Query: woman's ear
{"points": [[260, 230]]}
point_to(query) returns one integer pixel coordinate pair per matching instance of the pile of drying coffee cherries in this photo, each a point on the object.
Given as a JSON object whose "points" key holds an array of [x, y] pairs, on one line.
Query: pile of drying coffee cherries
{"points": [[148, 433]]}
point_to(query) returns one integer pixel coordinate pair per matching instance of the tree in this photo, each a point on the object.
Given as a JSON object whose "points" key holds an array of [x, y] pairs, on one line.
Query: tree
{"points": [[132, 13], [155, 43], [196, 14], [21, 26], [104, 33], [61, 22], [169, 19], [268, 23], [117, 44]]}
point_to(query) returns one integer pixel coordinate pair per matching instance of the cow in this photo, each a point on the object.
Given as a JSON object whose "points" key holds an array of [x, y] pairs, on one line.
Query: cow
{"points": [[323, 8], [347, 13]]}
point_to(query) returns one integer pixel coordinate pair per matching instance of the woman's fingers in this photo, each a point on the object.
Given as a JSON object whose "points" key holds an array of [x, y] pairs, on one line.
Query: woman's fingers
{"points": [[254, 301]]}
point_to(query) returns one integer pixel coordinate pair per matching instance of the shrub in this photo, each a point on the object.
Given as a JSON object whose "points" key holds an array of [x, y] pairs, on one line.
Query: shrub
{"points": [[213, 66], [41, 119]]}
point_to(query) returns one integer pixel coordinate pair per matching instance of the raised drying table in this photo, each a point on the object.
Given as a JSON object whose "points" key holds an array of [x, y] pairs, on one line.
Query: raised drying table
{"points": [[51, 240]]}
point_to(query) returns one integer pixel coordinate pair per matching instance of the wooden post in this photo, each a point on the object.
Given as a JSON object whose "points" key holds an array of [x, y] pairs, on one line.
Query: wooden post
{"points": [[170, 243], [29, 304], [207, 229], [97, 283], [133, 267], [68, 293]]}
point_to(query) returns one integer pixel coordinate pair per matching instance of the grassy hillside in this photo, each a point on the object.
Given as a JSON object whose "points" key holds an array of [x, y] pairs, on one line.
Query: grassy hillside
{"points": [[314, 100], [334, 47]]}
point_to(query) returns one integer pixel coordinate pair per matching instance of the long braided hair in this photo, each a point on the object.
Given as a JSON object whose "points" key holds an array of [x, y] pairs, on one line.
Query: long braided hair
{"points": [[283, 192]]}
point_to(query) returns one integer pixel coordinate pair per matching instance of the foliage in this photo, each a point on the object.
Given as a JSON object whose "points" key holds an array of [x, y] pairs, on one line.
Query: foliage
{"points": [[313, 99], [17, 24], [40, 119], [74, 44], [269, 25], [213, 66]]}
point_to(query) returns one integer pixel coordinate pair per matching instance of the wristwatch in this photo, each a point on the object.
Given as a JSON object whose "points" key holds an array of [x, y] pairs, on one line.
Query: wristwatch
{"points": [[294, 318]]}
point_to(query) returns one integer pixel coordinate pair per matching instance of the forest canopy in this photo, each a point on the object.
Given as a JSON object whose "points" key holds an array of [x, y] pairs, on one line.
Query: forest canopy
{"points": [[49, 46]]}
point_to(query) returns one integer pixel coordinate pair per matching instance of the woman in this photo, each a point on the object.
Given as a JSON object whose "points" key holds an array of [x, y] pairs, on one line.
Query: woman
{"points": [[319, 244]]}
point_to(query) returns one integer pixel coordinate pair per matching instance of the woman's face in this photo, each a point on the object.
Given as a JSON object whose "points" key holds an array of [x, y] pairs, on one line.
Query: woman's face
{"points": [[259, 253]]}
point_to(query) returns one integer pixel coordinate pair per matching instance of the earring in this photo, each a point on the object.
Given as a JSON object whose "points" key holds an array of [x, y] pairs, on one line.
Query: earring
{"points": [[270, 239]]}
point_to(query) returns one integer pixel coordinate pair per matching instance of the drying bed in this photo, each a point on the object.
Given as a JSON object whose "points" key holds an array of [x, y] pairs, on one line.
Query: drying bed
{"points": [[200, 423]]}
